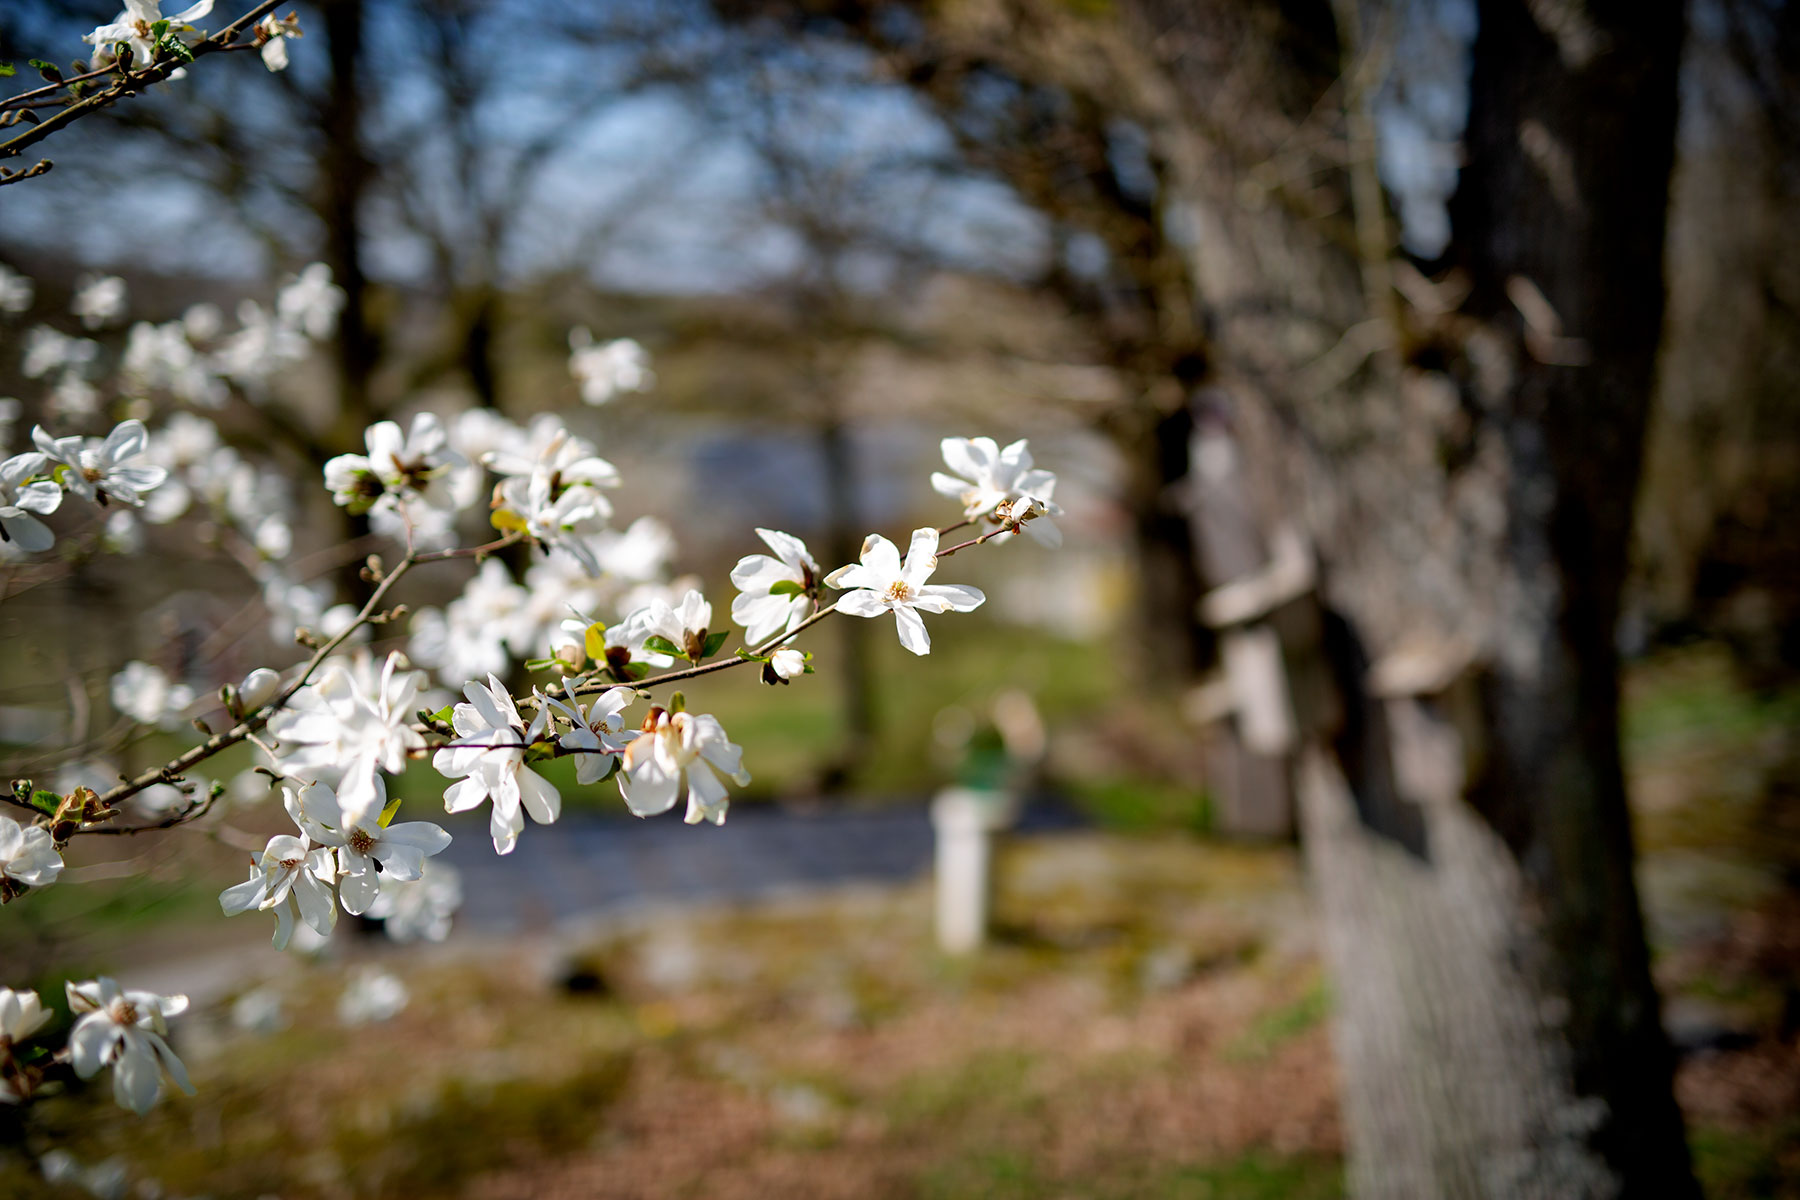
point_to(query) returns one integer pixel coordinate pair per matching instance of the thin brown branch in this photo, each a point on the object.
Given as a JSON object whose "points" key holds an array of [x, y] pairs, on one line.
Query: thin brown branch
{"points": [[130, 83]]}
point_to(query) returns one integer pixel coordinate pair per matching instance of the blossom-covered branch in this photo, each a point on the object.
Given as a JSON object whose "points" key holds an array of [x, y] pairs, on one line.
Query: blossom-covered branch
{"points": [[154, 48]]}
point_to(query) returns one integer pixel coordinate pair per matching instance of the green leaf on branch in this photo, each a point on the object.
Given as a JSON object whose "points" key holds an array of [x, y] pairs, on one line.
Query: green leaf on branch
{"points": [[787, 587], [542, 664], [662, 645], [714, 641], [749, 657], [158, 30], [7, 70], [442, 716], [47, 802]]}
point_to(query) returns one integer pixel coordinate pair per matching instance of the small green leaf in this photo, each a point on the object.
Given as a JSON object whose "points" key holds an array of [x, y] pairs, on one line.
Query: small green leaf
{"points": [[157, 30], [662, 645], [787, 587], [749, 657], [387, 814], [46, 801], [678, 702], [542, 664], [442, 716], [7, 70], [41, 64], [636, 671], [714, 641]]}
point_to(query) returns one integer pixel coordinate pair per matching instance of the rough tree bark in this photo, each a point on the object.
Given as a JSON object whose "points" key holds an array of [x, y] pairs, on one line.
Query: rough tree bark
{"points": [[1464, 807]]}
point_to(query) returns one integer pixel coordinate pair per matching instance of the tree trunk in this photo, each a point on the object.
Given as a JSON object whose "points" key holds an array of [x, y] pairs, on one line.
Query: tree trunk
{"points": [[1463, 803]]}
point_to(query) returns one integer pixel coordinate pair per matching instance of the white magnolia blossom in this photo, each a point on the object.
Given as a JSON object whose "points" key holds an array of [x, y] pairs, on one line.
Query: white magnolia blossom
{"points": [[639, 554], [350, 726], [19, 499], [361, 843], [999, 485], [16, 291], [469, 637], [786, 664], [760, 608], [682, 625], [262, 345], [134, 28], [99, 299], [672, 745], [147, 695], [310, 302], [124, 1030], [186, 447], [488, 757], [881, 584], [291, 872], [21, 1015], [555, 517], [372, 996], [163, 358], [594, 730], [399, 467], [624, 646], [419, 909], [97, 468], [273, 32], [27, 854], [548, 447], [605, 369], [48, 350]]}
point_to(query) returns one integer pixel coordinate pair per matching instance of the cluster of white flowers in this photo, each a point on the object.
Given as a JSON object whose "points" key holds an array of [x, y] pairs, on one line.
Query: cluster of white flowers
{"points": [[604, 369], [114, 1028], [332, 860], [135, 29], [596, 608], [146, 695], [99, 470]]}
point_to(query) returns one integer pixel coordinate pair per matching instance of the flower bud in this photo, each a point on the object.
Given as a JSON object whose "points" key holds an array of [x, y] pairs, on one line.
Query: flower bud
{"points": [[787, 663], [259, 687]]}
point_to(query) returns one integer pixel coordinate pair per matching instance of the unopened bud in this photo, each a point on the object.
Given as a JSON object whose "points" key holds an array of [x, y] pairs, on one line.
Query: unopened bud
{"points": [[259, 687]]}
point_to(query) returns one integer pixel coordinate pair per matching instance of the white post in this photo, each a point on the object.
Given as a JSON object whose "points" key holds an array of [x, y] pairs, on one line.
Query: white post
{"points": [[964, 820]]}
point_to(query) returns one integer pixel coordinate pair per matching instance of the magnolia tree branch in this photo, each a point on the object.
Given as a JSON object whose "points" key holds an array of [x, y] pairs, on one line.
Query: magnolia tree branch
{"points": [[126, 83], [105, 804]]}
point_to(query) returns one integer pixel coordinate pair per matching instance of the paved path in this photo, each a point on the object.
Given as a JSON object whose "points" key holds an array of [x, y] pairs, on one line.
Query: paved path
{"points": [[585, 865]]}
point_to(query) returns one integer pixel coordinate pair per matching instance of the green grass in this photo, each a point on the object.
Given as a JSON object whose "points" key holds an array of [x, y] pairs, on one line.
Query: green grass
{"points": [[1137, 805], [1279, 1026], [1760, 1164]]}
